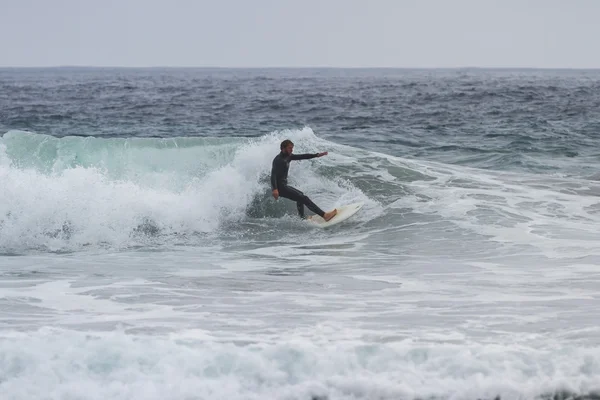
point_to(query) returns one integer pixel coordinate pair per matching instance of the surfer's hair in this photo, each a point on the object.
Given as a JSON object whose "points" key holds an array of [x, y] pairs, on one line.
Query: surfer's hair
{"points": [[286, 143]]}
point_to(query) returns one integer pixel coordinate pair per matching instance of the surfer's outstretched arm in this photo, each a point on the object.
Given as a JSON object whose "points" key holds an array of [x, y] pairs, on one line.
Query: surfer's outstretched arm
{"points": [[307, 156]]}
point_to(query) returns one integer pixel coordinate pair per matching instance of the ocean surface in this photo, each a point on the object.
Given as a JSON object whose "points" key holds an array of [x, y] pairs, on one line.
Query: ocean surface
{"points": [[143, 257]]}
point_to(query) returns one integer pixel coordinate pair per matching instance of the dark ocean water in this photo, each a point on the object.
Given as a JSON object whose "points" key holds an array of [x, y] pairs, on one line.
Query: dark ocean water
{"points": [[143, 257], [501, 119]]}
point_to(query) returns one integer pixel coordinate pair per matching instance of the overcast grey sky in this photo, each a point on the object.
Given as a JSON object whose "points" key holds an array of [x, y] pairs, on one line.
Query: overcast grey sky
{"points": [[336, 33]]}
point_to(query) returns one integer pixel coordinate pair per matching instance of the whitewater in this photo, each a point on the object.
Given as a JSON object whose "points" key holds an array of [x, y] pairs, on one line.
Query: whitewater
{"points": [[158, 266]]}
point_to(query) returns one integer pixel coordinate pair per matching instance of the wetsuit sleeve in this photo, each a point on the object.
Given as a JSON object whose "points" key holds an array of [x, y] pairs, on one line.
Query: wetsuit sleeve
{"points": [[303, 156], [274, 175]]}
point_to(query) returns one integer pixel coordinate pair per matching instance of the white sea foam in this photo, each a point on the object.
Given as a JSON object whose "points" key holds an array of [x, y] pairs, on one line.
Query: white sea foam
{"points": [[196, 365]]}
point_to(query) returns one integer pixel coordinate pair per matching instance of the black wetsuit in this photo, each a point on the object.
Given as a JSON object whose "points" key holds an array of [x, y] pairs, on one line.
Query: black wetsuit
{"points": [[279, 173]]}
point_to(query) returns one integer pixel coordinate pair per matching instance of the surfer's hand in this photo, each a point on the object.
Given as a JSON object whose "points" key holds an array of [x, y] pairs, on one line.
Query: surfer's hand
{"points": [[275, 193], [322, 154]]}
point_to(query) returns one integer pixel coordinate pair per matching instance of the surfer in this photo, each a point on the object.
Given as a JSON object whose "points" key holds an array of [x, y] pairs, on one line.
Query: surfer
{"points": [[279, 173]]}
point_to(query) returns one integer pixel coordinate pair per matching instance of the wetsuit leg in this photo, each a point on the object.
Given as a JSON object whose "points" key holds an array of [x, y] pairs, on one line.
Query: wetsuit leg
{"points": [[301, 200]]}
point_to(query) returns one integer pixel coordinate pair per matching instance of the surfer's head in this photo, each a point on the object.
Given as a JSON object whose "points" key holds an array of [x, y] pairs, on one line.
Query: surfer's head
{"points": [[287, 146]]}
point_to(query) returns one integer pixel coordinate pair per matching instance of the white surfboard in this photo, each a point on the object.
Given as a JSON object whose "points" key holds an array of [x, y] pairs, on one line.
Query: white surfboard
{"points": [[343, 213]]}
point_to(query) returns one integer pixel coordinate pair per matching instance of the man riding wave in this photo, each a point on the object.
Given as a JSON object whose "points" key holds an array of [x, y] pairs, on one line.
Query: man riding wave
{"points": [[279, 173]]}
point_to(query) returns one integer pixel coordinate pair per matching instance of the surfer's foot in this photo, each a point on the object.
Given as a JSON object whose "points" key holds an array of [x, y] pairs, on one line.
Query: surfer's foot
{"points": [[329, 215]]}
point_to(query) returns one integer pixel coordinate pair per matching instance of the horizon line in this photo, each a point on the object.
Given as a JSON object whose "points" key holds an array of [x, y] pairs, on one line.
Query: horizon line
{"points": [[296, 67]]}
